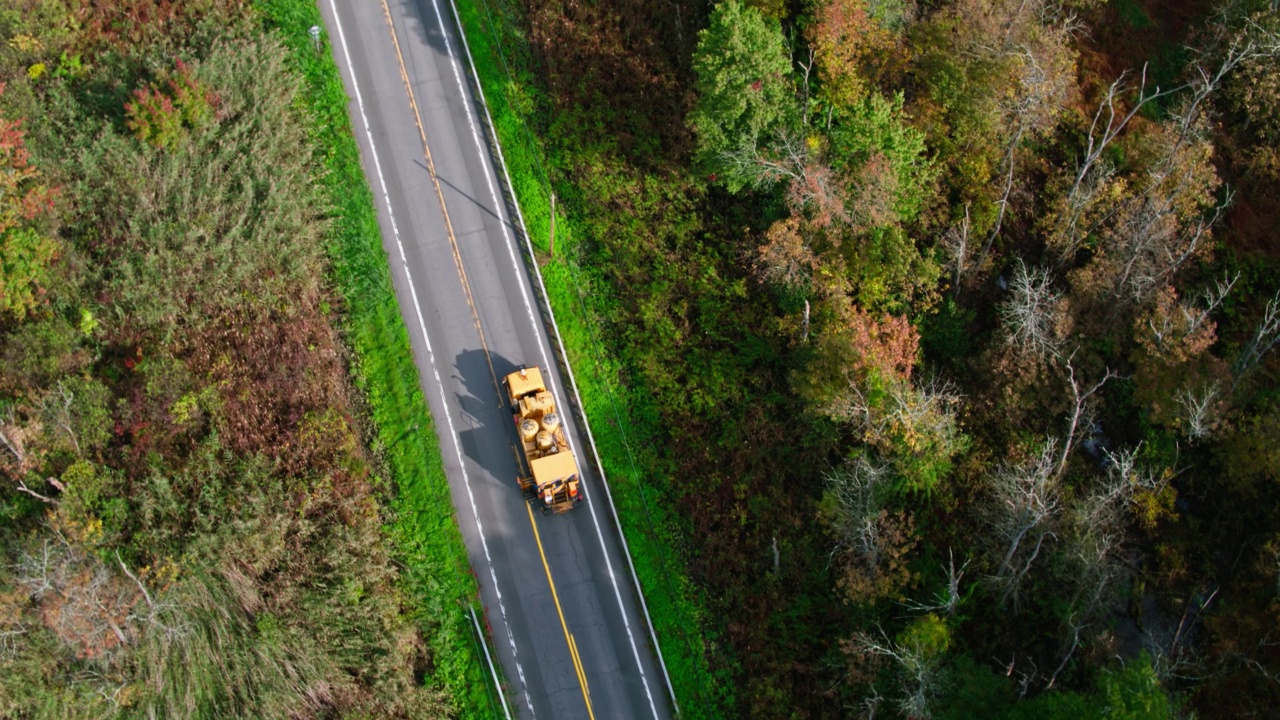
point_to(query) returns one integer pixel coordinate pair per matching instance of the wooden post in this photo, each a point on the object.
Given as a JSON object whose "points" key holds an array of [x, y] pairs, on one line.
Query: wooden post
{"points": [[551, 244]]}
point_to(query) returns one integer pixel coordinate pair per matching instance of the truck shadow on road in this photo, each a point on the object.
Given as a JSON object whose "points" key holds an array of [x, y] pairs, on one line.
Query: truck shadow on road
{"points": [[487, 430]]}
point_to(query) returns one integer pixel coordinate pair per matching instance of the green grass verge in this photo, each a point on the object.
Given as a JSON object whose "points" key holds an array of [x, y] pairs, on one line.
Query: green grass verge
{"points": [[437, 575], [647, 521]]}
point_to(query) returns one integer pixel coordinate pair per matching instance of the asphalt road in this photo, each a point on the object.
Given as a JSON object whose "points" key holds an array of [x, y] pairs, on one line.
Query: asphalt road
{"points": [[567, 625]]}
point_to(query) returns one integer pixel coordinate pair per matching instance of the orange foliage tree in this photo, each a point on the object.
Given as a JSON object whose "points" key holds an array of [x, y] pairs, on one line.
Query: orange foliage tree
{"points": [[853, 49]]}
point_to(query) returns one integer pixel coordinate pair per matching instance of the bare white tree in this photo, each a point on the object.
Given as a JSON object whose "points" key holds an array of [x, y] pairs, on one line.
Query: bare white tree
{"points": [[871, 705], [1210, 299], [1029, 111], [1094, 537], [1152, 243], [1123, 465], [1163, 223], [1199, 407], [1026, 679], [750, 159], [1062, 16], [785, 257], [22, 487], [928, 408], [55, 406], [1100, 516], [1169, 329], [1028, 498], [1080, 396], [1173, 655], [956, 249], [1107, 496], [787, 159], [807, 66], [947, 599], [1098, 522], [85, 603], [160, 614], [11, 634], [1225, 52], [856, 490], [37, 569], [919, 679], [1231, 45], [1266, 335], [1154, 234], [141, 588], [1093, 173], [11, 438], [1075, 627], [1033, 310]]}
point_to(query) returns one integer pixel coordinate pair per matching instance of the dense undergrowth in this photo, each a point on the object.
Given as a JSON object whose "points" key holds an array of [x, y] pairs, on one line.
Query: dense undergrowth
{"points": [[202, 517], [634, 470]]}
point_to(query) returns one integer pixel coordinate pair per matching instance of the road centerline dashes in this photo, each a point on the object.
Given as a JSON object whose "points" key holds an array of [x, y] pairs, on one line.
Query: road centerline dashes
{"points": [[435, 183], [453, 433], [466, 286], [489, 179]]}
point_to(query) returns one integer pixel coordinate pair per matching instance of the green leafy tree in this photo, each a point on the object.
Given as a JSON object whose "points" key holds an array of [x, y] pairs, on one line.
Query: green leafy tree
{"points": [[37, 352], [1134, 693], [746, 101], [36, 33], [25, 256], [1131, 692], [875, 133], [25, 252]]}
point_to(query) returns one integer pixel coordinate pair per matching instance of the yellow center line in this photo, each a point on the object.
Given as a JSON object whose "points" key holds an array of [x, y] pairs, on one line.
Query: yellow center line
{"points": [[435, 182], [586, 689], [466, 287], [573, 645]]}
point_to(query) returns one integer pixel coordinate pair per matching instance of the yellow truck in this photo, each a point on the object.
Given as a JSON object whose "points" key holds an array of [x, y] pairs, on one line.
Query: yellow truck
{"points": [[551, 473]]}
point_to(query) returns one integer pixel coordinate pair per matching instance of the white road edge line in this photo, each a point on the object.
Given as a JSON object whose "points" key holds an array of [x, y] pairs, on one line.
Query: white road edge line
{"points": [[493, 671], [453, 434], [489, 180], [572, 380]]}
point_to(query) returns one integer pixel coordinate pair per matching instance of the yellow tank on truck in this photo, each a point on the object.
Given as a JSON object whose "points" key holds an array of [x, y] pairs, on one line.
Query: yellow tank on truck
{"points": [[550, 476]]}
